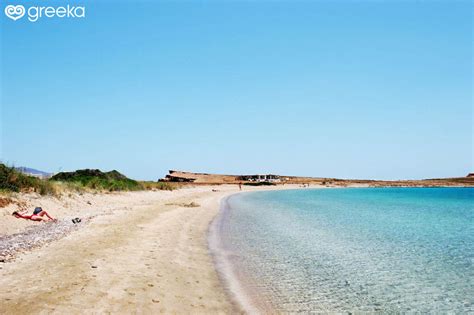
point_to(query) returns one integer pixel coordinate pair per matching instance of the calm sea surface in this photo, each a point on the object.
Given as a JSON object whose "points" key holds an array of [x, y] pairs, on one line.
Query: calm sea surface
{"points": [[349, 250]]}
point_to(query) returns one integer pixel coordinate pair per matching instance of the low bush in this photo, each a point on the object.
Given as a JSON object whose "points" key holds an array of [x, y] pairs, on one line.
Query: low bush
{"points": [[158, 186], [98, 180], [12, 180]]}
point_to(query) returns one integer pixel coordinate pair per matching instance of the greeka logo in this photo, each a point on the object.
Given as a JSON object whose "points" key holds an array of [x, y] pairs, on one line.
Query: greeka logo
{"points": [[16, 12]]}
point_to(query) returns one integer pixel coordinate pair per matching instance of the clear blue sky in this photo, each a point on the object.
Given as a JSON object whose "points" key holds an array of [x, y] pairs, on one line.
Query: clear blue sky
{"points": [[347, 89]]}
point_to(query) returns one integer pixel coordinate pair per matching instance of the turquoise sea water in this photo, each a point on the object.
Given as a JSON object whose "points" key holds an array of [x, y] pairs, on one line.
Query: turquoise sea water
{"points": [[349, 250]]}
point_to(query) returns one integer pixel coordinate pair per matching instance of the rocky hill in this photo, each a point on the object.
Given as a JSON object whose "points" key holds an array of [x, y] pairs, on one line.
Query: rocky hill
{"points": [[206, 178]]}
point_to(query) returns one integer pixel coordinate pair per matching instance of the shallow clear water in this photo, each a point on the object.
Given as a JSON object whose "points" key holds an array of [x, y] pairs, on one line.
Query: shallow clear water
{"points": [[352, 250]]}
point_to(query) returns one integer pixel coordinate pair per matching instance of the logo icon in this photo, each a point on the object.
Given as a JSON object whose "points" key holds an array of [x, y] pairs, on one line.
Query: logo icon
{"points": [[14, 12]]}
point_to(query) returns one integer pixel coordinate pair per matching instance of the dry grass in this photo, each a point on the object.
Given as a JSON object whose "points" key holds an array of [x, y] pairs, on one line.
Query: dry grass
{"points": [[159, 186]]}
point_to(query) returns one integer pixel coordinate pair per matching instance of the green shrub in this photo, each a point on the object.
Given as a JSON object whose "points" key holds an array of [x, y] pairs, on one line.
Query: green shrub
{"points": [[13, 180], [158, 186], [98, 180]]}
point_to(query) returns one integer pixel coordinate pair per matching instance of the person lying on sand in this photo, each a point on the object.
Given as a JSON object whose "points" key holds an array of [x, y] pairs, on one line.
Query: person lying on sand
{"points": [[38, 215]]}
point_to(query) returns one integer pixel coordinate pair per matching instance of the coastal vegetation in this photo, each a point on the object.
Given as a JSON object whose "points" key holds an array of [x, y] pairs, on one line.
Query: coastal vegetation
{"points": [[98, 180], [149, 185], [12, 180]]}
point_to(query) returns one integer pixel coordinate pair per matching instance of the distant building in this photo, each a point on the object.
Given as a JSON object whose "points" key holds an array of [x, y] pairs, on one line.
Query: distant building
{"points": [[260, 178], [470, 175]]}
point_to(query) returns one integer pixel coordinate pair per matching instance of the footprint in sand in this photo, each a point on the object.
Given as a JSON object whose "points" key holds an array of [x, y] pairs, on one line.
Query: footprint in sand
{"points": [[129, 293]]}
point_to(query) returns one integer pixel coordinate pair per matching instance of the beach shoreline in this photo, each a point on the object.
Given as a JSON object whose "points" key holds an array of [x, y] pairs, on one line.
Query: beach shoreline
{"points": [[140, 251], [233, 282], [149, 255], [148, 251], [239, 287]]}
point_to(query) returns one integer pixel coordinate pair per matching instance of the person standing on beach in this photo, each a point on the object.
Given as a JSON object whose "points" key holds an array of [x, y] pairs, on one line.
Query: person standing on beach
{"points": [[240, 186]]}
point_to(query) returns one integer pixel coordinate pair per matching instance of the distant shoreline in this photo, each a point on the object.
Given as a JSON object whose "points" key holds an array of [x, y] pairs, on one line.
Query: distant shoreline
{"points": [[191, 178]]}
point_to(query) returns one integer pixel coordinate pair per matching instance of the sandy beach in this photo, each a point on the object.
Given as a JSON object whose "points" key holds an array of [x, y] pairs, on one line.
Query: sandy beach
{"points": [[140, 252]]}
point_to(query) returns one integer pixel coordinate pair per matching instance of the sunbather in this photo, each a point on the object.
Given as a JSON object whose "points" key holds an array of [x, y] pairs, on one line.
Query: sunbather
{"points": [[38, 215]]}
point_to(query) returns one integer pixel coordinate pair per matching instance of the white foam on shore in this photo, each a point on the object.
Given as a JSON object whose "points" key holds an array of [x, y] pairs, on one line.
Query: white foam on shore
{"points": [[229, 275]]}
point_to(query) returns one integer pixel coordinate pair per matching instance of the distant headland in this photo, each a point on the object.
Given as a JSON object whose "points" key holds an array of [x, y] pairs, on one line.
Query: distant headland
{"points": [[184, 177]]}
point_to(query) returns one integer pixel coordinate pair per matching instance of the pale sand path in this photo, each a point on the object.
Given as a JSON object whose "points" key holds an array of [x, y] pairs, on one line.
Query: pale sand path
{"points": [[149, 259]]}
